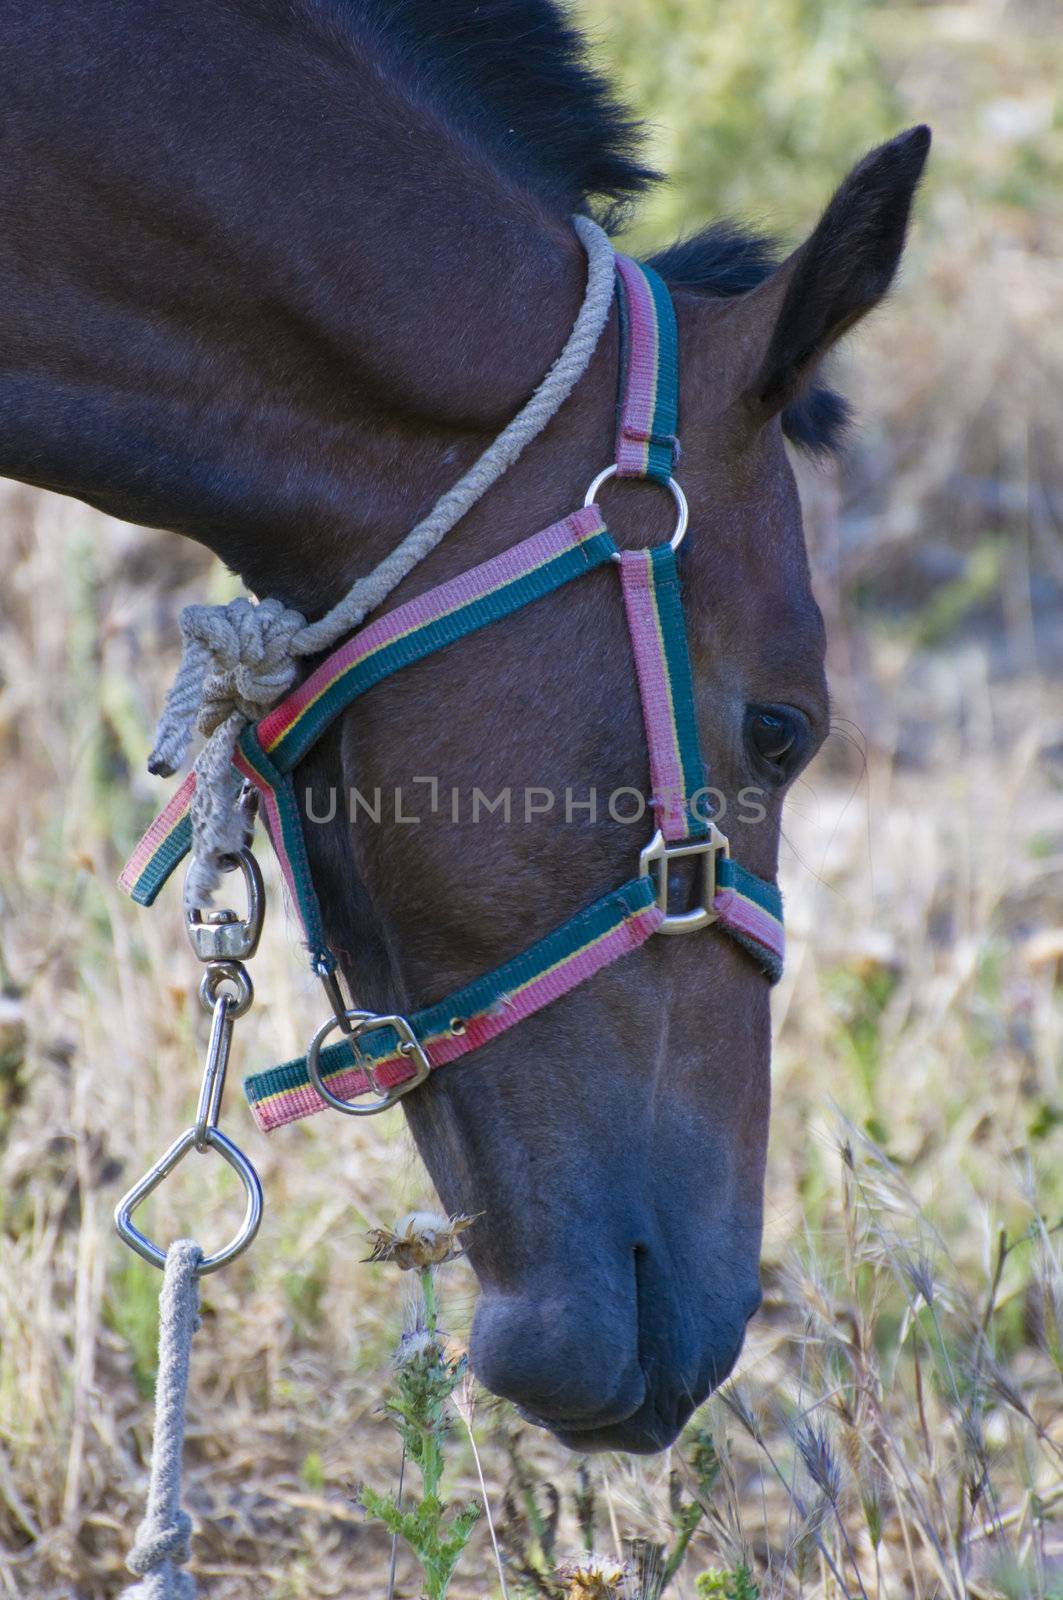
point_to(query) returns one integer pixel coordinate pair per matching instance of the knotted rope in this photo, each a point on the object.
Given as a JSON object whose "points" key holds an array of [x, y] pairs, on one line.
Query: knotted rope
{"points": [[162, 1541], [239, 659]]}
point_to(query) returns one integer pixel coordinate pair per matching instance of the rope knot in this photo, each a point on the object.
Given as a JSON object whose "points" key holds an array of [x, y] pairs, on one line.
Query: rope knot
{"points": [[155, 1544], [237, 661], [248, 650]]}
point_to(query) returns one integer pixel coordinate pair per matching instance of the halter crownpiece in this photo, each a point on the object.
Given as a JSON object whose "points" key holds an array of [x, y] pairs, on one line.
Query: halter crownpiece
{"points": [[386, 1056]]}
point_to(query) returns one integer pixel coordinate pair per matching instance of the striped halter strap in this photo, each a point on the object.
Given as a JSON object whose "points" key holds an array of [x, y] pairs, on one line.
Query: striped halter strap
{"points": [[386, 1056]]}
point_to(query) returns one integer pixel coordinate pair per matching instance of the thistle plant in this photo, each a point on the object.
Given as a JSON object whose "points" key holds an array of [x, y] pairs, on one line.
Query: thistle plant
{"points": [[687, 1515], [419, 1405], [639, 1568], [593, 1578], [717, 1584]]}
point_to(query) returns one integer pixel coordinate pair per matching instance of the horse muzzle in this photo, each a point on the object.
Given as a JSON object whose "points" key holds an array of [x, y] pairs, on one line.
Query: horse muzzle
{"points": [[615, 1359]]}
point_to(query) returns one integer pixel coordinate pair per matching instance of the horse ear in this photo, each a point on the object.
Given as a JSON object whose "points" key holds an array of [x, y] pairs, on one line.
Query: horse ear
{"points": [[839, 274]]}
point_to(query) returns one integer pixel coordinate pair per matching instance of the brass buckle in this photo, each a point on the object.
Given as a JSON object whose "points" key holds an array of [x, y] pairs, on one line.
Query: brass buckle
{"points": [[367, 1022], [659, 855]]}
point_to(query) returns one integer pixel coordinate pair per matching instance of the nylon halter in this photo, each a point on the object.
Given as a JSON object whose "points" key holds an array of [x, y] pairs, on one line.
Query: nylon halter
{"points": [[389, 1055]]}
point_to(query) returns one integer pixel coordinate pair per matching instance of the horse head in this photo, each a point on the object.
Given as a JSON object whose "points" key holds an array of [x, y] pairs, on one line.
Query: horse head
{"points": [[273, 275]]}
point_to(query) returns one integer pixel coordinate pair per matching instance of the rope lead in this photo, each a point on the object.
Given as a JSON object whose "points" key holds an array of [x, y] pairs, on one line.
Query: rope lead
{"points": [[162, 1542]]}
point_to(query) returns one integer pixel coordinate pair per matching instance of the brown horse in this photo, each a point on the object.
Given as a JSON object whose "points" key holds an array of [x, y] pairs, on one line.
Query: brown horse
{"points": [[272, 274]]}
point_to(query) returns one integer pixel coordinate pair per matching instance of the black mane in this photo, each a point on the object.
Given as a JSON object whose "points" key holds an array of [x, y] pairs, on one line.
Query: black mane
{"points": [[515, 74]]}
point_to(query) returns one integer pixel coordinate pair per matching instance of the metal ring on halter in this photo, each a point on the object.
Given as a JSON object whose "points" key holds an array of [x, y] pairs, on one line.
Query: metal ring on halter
{"points": [[223, 935], [681, 507], [214, 1139], [219, 972], [368, 1022]]}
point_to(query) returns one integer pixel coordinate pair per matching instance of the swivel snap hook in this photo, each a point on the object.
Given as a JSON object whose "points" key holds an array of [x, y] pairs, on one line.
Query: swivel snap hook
{"points": [[222, 940]]}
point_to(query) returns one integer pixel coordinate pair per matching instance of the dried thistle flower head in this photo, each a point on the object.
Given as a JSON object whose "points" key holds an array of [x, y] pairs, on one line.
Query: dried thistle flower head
{"points": [[593, 1578], [421, 1239], [418, 1344]]}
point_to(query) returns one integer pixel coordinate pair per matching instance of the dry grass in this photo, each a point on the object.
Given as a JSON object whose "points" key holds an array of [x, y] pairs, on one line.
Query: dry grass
{"points": [[895, 1428]]}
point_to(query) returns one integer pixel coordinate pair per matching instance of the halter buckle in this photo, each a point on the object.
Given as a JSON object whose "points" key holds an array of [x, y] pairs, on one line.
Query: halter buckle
{"points": [[359, 1023], [655, 861]]}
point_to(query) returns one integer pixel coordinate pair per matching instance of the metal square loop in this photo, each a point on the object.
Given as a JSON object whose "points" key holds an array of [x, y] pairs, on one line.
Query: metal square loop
{"points": [[655, 861], [368, 1022]]}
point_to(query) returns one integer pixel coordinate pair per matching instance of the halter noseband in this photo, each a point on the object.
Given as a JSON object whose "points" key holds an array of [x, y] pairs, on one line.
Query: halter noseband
{"points": [[389, 1055]]}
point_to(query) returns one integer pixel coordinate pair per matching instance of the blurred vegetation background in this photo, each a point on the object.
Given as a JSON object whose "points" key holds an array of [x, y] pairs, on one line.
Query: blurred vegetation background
{"points": [[895, 1428]]}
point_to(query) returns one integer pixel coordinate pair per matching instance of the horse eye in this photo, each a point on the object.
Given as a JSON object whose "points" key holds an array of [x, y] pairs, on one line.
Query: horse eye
{"points": [[776, 734]]}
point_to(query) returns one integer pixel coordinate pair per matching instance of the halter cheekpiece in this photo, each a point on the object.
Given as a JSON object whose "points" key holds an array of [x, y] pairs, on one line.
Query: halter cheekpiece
{"points": [[386, 1056]]}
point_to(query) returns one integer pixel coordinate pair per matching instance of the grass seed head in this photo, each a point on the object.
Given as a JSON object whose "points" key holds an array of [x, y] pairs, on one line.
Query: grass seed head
{"points": [[821, 1464], [919, 1271]]}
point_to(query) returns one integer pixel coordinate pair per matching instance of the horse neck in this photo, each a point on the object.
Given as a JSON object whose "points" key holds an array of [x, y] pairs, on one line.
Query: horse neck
{"points": [[284, 331], [442, 293]]}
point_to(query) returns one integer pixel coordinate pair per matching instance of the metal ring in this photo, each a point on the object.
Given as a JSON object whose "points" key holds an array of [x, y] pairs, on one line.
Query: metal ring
{"points": [[682, 509], [214, 1140], [219, 972], [222, 935], [367, 1022]]}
